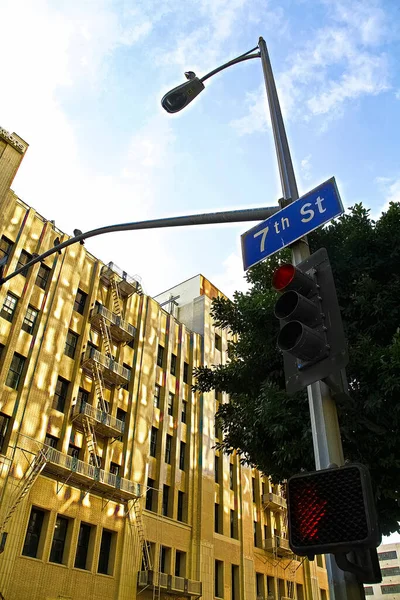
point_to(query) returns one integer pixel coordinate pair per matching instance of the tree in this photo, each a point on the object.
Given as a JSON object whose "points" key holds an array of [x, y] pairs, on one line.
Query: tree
{"points": [[270, 429]]}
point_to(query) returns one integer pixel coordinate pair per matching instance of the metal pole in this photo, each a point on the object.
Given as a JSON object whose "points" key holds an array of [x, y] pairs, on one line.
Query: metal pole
{"points": [[324, 421], [226, 216]]}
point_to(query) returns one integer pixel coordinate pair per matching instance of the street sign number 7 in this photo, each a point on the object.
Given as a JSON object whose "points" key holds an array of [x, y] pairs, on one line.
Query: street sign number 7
{"points": [[263, 233]]}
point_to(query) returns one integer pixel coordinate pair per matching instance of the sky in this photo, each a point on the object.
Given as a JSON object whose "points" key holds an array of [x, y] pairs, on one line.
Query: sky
{"points": [[82, 82]]}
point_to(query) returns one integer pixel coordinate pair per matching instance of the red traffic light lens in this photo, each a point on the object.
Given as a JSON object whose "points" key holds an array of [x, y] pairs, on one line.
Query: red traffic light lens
{"points": [[283, 276]]}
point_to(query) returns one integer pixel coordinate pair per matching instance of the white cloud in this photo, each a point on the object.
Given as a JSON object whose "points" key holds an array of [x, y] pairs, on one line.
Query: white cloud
{"points": [[397, 94], [232, 279], [50, 52], [306, 166], [341, 62], [390, 189]]}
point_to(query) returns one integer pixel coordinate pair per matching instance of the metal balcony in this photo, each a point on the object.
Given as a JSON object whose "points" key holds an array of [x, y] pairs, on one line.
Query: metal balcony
{"points": [[103, 423], [127, 285], [171, 584], [80, 474], [113, 373], [273, 501], [120, 330], [277, 545]]}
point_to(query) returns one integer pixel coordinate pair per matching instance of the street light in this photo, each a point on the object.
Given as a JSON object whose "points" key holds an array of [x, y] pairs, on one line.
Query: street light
{"points": [[180, 96]]}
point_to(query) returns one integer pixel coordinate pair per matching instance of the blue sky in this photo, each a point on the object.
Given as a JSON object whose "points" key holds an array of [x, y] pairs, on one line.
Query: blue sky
{"points": [[82, 82], [84, 79]]}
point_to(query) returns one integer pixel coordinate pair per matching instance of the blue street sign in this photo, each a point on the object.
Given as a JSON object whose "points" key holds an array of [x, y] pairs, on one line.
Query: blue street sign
{"points": [[291, 223]]}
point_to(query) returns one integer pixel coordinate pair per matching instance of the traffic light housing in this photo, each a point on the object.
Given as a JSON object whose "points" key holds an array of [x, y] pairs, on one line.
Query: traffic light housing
{"points": [[176, 99], [332, 511], [311, 338]]}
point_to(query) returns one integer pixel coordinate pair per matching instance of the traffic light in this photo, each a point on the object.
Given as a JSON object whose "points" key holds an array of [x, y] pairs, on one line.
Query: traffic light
{"points": [[332, 510], [311, 337], [182, 95]]}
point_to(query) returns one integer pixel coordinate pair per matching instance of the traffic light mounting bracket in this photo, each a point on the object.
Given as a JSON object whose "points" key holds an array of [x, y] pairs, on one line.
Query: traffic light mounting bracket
{"points": [[366, 566]]}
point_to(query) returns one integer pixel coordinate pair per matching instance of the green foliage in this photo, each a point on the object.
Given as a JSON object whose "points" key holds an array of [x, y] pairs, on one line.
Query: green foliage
{"points": [[270, 429]]}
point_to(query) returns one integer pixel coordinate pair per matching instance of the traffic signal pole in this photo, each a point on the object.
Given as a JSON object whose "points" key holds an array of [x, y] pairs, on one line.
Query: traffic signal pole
{"points": [[324, 420]]}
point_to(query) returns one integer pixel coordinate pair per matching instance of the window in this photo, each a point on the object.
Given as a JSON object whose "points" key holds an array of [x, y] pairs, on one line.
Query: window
{"points": [[391, 554], [390, 571], [83, 396], [165, 500], [43, 276], [9, 306], [5, 247], [219, 579], [235, 582], [15, 372], [168, 446], [165, 554], [185, 372], [255, 533], [121, 415], [153, 441], [157, 394], [105, 550], [181, 499], [60, 395], [171, 397], [233, 524], [115, 468], [33, 533], [182, 456], [74, 451], [149, 493], [253, 488], [184, 411], [218, 342], [216, 469], [71, 343], [391, 589], [160, 355], [24, 258], [180, 564], [82, 547], [128, 375], [4, 425], [29, 321], [231, 476], [59, 537], [94, 460], [51, 440], [80, 301], [216, 518], [173, 364], [259, 584], [271, 588], [369, 590]]}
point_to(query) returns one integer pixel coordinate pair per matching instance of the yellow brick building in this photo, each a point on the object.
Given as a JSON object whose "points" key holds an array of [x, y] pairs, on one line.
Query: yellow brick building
{"points": [[110, 484]]}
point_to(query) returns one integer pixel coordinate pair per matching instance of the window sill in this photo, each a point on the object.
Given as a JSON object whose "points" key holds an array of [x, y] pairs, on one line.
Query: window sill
{"points": [[31, 558]]}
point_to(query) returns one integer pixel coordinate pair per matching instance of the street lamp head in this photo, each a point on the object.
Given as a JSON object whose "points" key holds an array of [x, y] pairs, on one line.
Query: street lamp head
{"points": [[182, 95]]}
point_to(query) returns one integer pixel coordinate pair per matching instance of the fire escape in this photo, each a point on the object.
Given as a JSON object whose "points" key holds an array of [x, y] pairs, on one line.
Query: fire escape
{"points": [[103, 369]]}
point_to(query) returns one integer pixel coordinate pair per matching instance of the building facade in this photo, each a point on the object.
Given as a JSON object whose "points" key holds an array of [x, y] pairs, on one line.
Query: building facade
{"points": [[110, 485], [389, 562]]}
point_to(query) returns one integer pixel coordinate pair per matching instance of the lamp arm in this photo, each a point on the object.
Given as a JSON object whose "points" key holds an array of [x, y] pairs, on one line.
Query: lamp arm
{"points": [[243, 57]]}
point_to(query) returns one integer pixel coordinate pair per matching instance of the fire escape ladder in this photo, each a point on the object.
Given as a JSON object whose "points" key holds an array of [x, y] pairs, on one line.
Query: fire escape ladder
{"points": [[99, 387], [25, 484], [142, 535], [105, 334], [116, 297], [91, 441]]}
